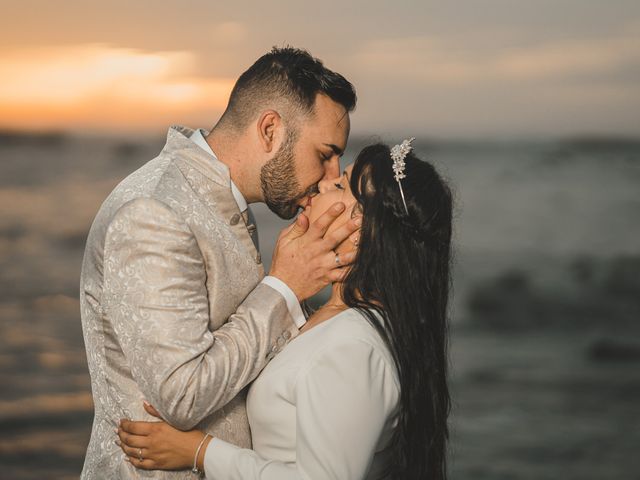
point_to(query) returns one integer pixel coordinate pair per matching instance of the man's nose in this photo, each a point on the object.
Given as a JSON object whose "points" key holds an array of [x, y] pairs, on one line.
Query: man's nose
{"points": [[327, 185], [331, 175]]}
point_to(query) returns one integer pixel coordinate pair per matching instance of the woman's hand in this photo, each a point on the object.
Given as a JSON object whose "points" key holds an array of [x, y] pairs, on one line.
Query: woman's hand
{"points": [[157, 445]]}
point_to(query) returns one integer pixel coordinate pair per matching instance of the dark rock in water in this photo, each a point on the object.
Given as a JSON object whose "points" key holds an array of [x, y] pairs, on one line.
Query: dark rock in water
{"points": [[508, 302], [129, 154], [13, 232], [603, 144], [72, 241], [39, 139], [514, 281], [583, 270], [605, 350], [126, 149], [623, 277], [591, 293]]}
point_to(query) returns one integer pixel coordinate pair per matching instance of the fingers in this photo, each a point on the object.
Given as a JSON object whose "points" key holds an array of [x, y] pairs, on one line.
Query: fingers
{"points": [[338, 274], [338, 265], [343, 232], [135, 452], [133, 441], [300, 226], [320, 226], [145, 464], [344, 259], [285, 231], [136, 428], [151, 410]]}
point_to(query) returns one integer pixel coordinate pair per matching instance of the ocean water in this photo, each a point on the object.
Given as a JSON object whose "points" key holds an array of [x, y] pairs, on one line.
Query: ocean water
{"points": [[544, 320]]}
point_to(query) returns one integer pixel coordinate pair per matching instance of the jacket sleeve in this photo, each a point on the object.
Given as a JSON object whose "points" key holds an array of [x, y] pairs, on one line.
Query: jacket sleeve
{"points": [[344, 402], [156, 299]]}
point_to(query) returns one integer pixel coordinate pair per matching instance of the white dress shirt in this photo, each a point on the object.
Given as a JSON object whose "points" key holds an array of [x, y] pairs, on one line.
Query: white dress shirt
{"points": [[290, 298], [324, 408]]}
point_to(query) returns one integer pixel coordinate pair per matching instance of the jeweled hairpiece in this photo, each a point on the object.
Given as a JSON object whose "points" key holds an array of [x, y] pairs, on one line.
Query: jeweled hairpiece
{"points": [[398, 154]]}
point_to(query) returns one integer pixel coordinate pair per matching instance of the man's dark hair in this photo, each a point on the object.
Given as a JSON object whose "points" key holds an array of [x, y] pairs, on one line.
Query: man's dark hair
{"points": [[287, 80]]}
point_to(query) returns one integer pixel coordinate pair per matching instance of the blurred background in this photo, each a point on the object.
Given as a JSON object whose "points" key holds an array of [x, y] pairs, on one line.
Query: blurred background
{"points": [[530, 109]]}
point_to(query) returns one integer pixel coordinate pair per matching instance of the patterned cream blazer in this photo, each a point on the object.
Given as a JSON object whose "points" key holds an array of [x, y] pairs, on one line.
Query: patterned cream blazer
{"points": [[172, 306]]}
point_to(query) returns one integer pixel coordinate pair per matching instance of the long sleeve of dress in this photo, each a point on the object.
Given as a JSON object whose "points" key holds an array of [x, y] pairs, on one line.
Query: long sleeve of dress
{"points": [[345, 396]]}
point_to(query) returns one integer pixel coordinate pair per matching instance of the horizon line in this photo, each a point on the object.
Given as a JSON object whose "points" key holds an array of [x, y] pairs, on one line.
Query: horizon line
{"points": [[20, 134]]}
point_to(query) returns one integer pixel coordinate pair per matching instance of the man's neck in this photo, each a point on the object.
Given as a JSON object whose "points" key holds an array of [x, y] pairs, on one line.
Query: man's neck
{"points": [[231, 150]]}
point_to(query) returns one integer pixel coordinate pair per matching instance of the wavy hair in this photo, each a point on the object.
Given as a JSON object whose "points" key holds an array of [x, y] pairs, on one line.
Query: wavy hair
{"points": [[402, 272]]}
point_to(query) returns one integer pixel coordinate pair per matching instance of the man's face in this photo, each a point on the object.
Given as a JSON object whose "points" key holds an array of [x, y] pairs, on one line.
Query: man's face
{"points": [[307, 156]]}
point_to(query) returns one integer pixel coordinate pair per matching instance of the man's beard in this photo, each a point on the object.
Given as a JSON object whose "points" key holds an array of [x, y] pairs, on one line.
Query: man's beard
{"points": [[280, 186]]}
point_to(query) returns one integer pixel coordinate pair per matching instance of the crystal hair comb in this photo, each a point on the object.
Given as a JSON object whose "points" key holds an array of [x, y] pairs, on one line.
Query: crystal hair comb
{"points": [[398, 154]]}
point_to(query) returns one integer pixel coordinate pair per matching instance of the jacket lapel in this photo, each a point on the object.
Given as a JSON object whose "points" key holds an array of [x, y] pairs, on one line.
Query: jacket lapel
{"points": [[211, 182]]}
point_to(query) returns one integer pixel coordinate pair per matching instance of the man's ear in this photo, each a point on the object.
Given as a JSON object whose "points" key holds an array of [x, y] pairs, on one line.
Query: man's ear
{"points": [[269, 127]]}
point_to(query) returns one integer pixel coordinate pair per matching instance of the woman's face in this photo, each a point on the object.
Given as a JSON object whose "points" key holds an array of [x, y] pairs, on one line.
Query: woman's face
{"points": [[332, 191]]}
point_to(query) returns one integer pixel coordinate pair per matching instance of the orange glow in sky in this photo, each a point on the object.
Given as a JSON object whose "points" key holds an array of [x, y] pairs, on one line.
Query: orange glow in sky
{"points": [[96, 86], [488, 69]]}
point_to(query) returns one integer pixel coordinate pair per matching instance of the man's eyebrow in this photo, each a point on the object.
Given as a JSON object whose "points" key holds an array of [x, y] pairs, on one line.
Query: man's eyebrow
{"points": [[337, 150]]}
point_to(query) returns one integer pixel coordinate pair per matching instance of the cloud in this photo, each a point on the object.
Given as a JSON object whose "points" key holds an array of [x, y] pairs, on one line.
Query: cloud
{"points": [[104, 85], [436, 85], [227, 33], [433, 60], [569, 59]]}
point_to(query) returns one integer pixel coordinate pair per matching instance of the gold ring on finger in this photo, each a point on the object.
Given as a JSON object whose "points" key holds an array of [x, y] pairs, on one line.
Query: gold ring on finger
{"points": [[140, 454]]}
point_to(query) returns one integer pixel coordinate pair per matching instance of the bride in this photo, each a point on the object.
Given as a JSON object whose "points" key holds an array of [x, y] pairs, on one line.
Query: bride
{"points": [[362, 393]]}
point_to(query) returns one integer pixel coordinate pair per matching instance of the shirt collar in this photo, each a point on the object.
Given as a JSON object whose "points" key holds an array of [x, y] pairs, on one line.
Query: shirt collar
{"points": [[198, 138]]}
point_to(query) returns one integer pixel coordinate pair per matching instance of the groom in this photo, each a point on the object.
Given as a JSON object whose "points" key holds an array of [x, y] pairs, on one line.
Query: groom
{"points": [[175, 306]]}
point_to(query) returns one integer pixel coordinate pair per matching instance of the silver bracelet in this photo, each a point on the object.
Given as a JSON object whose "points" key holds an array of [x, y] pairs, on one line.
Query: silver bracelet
{"points": [[195, 459]]}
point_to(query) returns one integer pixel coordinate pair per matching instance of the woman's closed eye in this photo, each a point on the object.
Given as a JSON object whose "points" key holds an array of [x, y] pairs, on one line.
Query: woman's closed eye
{"points": [[340, 185]]}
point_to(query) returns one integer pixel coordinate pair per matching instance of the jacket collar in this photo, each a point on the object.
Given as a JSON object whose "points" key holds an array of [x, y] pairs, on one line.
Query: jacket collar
{"points": [[198, 137], [179, 145]]}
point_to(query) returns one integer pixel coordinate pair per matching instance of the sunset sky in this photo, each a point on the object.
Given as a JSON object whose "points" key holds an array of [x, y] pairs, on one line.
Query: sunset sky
{"points": [[474, 68]]}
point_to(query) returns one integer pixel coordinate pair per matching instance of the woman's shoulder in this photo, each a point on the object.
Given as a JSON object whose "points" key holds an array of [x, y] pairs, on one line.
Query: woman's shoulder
{"points": [[350, 332], [352, 325], [348, 353]]}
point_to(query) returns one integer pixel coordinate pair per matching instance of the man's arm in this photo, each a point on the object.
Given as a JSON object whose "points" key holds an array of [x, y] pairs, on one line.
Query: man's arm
{"points": [[156, 298]]}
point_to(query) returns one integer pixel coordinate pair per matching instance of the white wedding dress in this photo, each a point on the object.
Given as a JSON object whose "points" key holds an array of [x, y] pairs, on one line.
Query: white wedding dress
{"points": [[324, 408]]}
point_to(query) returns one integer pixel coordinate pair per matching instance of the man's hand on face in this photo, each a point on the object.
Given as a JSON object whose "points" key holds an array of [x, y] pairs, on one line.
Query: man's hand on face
{"points": [[304, 257]]}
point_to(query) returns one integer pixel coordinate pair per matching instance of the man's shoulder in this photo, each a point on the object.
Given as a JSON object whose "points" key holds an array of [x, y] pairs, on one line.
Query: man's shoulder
{"points": [[149, 181]]}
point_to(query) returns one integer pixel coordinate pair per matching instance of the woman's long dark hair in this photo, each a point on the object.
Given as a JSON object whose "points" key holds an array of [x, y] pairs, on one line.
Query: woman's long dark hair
{"points": [[402, 272]]}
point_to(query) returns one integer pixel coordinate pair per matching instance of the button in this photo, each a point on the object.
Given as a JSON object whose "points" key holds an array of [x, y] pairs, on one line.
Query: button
{"points": [[281, 341], [235, 219], [258, 258], [287, 335]]}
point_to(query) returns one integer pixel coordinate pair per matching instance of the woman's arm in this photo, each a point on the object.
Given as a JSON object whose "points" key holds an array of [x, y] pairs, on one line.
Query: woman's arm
{"points": [[159, 446], [344, 400]]}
